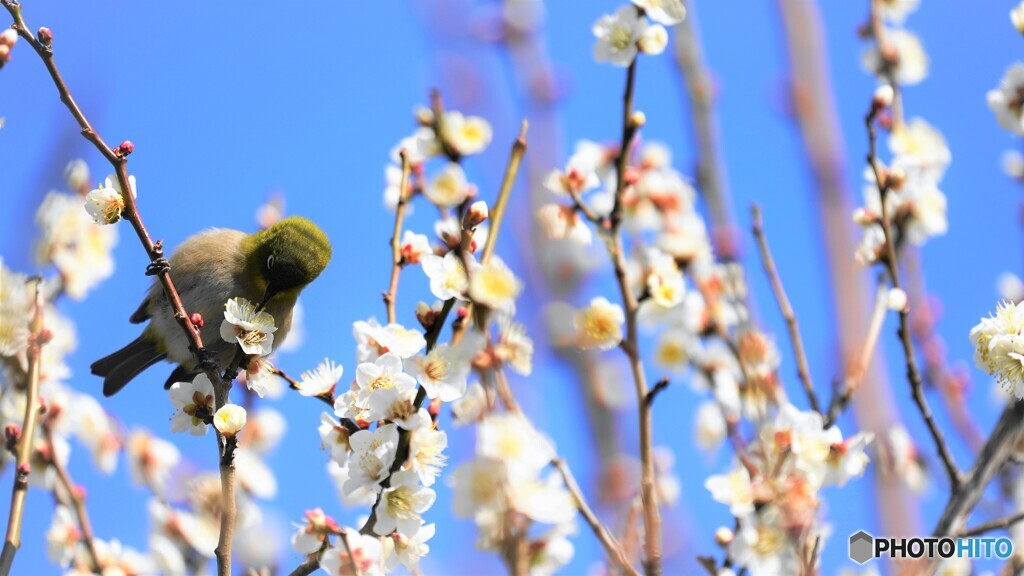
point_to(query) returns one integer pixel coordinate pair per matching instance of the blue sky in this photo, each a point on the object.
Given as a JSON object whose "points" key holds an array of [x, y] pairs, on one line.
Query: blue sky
{"points": [[226, 102]]}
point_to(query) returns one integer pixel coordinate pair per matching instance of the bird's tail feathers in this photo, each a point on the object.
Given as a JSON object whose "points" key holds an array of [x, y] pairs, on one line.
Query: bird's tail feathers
{"points": [[120, 367]]}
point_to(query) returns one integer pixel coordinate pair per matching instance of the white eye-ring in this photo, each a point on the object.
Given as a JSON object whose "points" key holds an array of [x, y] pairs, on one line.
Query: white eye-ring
{"points": [[270, 262]]}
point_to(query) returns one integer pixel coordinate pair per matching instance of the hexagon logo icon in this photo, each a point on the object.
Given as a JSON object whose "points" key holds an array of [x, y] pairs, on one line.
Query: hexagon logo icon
{"points": [[861, 547]]}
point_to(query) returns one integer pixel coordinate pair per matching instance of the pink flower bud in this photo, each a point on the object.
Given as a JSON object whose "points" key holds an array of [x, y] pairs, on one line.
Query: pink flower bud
{"points": [[476, 215], [125, 148], [12, 432], [8, 37], [24, 468], [884, 95], [45, 36], [197, 320]]}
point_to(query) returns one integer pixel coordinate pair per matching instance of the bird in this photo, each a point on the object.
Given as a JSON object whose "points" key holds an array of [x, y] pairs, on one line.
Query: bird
{"points": [[270, 267]]}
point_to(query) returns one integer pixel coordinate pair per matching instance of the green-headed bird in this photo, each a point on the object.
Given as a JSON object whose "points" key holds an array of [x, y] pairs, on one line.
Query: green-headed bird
{"points": [[270, 267]]}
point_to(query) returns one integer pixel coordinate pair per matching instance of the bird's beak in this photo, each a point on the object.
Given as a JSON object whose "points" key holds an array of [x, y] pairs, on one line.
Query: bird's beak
{"points": [[267, 295]]}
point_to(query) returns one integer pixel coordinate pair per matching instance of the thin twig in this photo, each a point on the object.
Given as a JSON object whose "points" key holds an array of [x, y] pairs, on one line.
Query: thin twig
{"points": [[848, 386], [786, 308], [1001, 524], [630, 345], [158, 266], [611, 545], [659, 387], [396, 238], [913, 374], [77, 502], [28, 432]]}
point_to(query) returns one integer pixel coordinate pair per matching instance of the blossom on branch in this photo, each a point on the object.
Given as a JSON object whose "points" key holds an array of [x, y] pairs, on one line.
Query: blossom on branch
{"points": [[252, 330]]}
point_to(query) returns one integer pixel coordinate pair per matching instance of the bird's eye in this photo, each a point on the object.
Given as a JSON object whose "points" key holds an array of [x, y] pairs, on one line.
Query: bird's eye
{"points": [[270, 262]]}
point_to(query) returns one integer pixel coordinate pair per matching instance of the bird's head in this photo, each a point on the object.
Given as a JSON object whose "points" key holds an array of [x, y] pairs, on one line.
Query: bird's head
{"points": [[287, 256]]}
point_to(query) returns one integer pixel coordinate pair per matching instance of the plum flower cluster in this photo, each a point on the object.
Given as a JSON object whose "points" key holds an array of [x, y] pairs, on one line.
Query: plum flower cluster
{"points": [[621, 36], [775, 492], [914, 203], [999, 346]]}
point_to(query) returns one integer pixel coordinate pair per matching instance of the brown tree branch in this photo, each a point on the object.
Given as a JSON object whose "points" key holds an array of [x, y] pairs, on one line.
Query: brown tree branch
{"points": [[611, 545], [77, 503], [786, 308], [396, 239], [23, 468], [1000, 524], [913, 374], [158, 266]]}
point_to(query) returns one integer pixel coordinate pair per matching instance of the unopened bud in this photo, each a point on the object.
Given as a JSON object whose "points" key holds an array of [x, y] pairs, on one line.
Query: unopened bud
{"points": [[5, 53], [24, 469], [426, 315], [229, 419], [637, 119], [896, 178], [45, 36], [435, 408], [475, 216], [897, 300], [12, 432], [723, 536], [125, 148], [197, 320], [424, 116], [863, 217], [884, 95], [44, 337], [80, 492], [885, 120]]}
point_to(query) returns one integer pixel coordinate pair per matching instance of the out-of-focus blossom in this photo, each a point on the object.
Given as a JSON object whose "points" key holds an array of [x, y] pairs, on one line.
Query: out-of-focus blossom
{"points": [[667, 12], [599, 325], [559, 222], [366, 555], [910, 64], [471, 407], [151, 460], [447, 275], [494, 285], [467, 135], [1006, 102], [414, 247], [896, 11], [74, 244], [449, 188], [618, 35]]}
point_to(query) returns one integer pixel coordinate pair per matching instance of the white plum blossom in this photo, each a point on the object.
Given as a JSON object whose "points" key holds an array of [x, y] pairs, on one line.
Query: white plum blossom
{"points": [[194, 401], [442, 372], [579, 176], [494, 285], [321, 380], [447, 275], [63, 537], [372, 456], [252, 330], [896, 11], [366, 555], [667, 12], [401, 505], [407, 551], [559, 222], [599, 325], [414, 247], [314, 532], [229, 419], [426, 453], [466, 135], [397, 339], [910, 65], [999, 346], [710, 426], [335, 438], [74, 244], [151, 460], [1006, 101], [734, 490], [471, 407], [479, 486], [511, 437], [449, 188], [618, 35], [104, 205], [385, 373]]}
